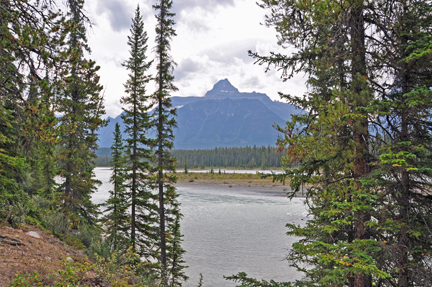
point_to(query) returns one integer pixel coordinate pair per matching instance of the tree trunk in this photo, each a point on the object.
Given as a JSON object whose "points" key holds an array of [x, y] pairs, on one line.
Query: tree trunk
{"points": [[160, 151], [360, 126], [403, 202], [134, 175]]}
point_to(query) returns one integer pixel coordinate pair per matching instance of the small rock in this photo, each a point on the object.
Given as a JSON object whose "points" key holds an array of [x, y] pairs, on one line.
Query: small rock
{"points": [[68, 259], [91, 274], [33, 234]]}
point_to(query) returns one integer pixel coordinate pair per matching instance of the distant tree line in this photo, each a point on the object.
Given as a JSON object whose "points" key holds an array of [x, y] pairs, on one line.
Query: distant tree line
{"points": [[239, 157]]}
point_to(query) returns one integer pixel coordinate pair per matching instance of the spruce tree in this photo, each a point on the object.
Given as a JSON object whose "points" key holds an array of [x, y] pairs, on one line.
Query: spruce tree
{"points": [[116, 218], [165, 163], [404, 127], [31, 40], [81, 106], [139, 146], [354, 149]]}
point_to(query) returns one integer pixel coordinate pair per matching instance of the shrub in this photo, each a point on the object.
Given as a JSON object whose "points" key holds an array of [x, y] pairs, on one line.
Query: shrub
{"points": [[101, 248], [14, 213], [40, 202], [87, 234], [57, 223], [26, 279]]}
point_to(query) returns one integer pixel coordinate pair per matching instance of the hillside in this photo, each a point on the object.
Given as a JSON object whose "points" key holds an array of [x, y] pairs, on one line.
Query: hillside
{"points": [[21, 251]]}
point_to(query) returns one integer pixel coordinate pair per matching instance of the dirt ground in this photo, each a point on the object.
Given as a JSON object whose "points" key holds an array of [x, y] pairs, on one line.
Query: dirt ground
{"points": [[20, 252]]}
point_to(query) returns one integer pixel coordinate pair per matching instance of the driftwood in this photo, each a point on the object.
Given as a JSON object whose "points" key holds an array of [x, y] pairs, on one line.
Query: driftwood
{"points": [[9, 240]]}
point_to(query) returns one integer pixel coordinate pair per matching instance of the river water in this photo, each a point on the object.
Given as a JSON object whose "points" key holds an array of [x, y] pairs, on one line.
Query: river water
{"points": [[231, 231]]}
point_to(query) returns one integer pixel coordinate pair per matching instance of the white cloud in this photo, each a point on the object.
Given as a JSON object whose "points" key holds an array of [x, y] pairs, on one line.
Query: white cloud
{"points": [[212, 41]]}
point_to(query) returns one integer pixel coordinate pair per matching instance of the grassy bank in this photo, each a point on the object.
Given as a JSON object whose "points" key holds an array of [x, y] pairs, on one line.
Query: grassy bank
{"points": [[224, 178]]}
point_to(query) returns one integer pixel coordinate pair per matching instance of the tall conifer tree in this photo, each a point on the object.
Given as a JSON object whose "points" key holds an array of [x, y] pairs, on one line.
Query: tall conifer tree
{"points": [[404, 126], [138, 145], [81, 106], [31, 40], [169, 212], [359, 201], [116, 218]]}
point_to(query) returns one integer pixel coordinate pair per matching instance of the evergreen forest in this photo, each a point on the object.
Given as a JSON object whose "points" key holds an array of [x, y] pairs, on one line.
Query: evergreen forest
{"points": [[52, 107], [237, 157], [362, 149]]}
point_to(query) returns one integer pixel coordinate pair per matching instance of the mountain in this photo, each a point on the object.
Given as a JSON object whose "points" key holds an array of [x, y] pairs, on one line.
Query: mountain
{"points": [[225, 90], [224, 117]]}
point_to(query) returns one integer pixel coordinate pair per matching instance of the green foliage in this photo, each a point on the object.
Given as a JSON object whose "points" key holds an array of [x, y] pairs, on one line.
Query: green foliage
{"points": [[363, 146], [44, 72], [185, 165], [139, 154], [245, 281], [13, 213], [124, 270], [238, 157], [201, 279], [171, 252], [175, 252], [56, 222], [11, 165], [81, 106], [114, 271], [116, 218], [26, 279], [72, 274]]}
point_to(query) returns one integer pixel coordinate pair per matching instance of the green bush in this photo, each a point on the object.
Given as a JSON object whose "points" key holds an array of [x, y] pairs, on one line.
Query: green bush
{"points": [[40, 202], [87, 234], [57, 223], [26, 279], [101, 248], [14, 213]]}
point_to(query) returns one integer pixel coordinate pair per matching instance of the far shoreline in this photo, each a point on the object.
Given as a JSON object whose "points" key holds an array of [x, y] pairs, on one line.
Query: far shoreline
{"points": [[270, 189], [244, 181]]}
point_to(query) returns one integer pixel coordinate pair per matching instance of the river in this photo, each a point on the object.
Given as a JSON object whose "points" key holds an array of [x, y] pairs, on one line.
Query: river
{"points": [[228, 231]]}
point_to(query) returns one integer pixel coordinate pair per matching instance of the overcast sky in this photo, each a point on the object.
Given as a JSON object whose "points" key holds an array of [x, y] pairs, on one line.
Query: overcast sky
{"points": [[213, 37]]}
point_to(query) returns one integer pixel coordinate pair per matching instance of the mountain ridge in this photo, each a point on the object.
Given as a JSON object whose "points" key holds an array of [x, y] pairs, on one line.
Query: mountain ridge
{"points": [[223, 117]]}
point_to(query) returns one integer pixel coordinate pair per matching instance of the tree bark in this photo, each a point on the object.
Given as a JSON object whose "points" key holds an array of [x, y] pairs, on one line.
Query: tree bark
{"points": [[160, 149], [360, 126]]}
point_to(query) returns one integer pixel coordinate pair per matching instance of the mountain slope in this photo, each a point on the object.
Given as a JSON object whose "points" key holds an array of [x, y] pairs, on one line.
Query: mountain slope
{"points": [[224, 117], [225, 123], [225, 90]]}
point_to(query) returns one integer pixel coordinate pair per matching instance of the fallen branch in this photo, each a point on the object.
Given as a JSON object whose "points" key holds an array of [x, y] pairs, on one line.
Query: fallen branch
{"points": [[9, 240]]}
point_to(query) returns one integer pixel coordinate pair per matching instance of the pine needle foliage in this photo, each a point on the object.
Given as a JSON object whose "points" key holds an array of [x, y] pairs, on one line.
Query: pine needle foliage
{"points": [[31, 38], [139, 146], [116, 217], [81, 105], [169, 213], [363, 146]]}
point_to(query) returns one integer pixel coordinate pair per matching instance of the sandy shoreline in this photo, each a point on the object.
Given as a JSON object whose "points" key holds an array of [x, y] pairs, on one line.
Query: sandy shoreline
{"points": [[271, 189]]}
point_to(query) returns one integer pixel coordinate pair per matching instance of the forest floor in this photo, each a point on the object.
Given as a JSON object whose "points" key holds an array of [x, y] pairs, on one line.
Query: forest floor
{"points": [[21, 252]]}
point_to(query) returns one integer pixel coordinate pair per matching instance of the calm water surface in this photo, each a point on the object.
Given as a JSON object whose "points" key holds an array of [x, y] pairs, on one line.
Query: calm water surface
{"points": [[228, 231]]}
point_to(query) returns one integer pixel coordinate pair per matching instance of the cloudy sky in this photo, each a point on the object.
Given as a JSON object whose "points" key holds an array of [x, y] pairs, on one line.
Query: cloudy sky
{"points": [[213, 37]]}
